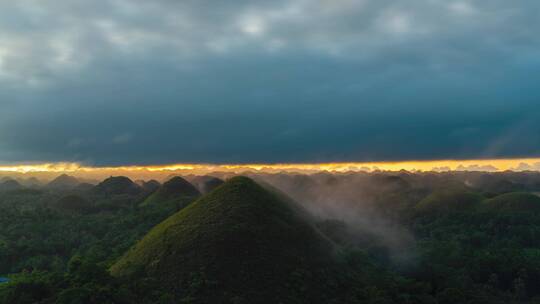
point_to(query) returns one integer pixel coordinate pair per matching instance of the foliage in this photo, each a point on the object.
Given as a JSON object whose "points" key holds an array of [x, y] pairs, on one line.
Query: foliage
{"points": [[471, 246]]}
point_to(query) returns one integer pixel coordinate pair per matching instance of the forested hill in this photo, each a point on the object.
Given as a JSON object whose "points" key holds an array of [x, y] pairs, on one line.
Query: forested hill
{"points": [[458, 237]]}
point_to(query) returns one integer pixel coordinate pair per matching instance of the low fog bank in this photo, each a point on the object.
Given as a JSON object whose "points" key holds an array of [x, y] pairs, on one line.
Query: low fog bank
{"points": [[369, 205], [377, 207]]}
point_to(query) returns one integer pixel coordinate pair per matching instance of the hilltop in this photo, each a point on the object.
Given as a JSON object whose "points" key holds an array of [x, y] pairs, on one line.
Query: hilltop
{"points": [[63, 182], [116, 185], [176, 191], [513, 202], [449, 200], [206, 183], [238, 243], [150, 186], [9, 185]]}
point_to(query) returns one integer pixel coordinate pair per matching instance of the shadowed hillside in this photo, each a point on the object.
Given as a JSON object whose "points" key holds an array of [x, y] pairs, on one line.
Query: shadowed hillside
{"points": [[63, 182], [116, 186], [10, 185], [448, 200], [513, 202], [150, 186], [205, 183], [176, 192]]}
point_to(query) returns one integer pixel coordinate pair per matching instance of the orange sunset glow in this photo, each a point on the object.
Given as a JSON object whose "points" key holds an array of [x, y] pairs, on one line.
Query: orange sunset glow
{"points": [[161, 171]]}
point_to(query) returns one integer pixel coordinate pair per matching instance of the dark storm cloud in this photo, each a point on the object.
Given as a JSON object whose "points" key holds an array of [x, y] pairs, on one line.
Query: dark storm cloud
{"points": [[122, 82]]}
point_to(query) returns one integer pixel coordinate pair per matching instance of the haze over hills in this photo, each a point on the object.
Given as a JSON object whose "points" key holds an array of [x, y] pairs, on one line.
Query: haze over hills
{"points": [[117, 185], [64, 182], [206, 183], [296, 238], [30, 182], [10, 184], [149, 186]]}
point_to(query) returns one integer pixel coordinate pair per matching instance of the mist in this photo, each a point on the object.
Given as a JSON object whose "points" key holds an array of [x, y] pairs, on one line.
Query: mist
{"points": [[378, 207], [368, 204]]}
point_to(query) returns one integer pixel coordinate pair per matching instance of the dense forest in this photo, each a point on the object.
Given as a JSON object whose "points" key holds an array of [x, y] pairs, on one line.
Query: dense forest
{"points": [[381, 237]]}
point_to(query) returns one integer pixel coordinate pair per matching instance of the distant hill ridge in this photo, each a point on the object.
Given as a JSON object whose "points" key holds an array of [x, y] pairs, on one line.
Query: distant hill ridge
{"points": [[174, 189], [9, 185], [116, 185], [150, 186], [513, 202], [206, 183], [63, 181]]}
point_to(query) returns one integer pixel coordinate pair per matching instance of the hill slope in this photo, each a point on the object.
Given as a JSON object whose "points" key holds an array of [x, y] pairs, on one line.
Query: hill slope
{"points": [[9, 185], [63, 182], [151, 185], [447, 200], [206, 183], [117, 185], [175, 191], [228, 244], [513, 202]]}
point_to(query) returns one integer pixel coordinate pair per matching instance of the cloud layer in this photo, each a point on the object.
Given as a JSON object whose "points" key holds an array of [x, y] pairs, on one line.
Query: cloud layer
{"points": [[141, 82]]}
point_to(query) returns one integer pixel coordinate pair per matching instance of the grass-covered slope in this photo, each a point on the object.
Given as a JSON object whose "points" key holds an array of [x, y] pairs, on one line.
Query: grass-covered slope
{"points": [[117, 185], [238, 243], [206, 183], [513, 202], [448, 200], [177, 191]]}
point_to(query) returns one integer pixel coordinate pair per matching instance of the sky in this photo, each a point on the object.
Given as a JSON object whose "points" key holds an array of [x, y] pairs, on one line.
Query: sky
{"points": [[117, 82]]}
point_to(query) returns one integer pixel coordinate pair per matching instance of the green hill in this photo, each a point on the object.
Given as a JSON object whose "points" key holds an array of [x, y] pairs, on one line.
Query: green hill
{"points": [[451, 199], [117, 185], [206, 183], [238, 244], [31, 182], [63, 182], [150, 186], [176, 191], [10, 185], [513, 202]]}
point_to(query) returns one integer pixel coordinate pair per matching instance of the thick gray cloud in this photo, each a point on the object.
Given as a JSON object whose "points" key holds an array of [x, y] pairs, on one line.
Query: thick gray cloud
{"points": [[124, 82]]}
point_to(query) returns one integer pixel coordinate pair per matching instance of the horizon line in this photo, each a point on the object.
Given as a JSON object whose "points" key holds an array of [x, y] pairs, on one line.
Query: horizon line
{"points": [[490, 165]]}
